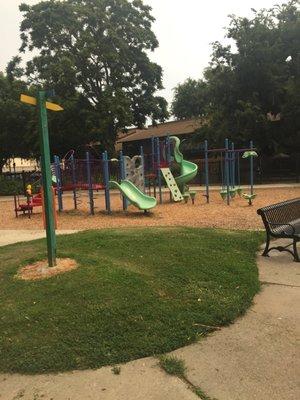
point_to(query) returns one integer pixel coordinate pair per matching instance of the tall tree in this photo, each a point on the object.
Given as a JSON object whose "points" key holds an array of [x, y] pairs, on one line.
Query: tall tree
{"points": [[15, 120], [18, 122], [253, 89], [190, 99], [98, 48]]}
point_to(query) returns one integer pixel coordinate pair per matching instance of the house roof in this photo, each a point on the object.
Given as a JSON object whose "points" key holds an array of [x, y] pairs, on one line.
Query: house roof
{"points": [[181, 127]]}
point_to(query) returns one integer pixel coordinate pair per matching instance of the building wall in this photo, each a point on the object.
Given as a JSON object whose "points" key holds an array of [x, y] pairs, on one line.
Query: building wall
{"points": [[19, 165], [133, 148]]}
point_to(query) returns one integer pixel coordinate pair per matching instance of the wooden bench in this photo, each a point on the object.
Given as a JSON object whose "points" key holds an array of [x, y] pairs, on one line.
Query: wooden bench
{"points": [[282, 220]]}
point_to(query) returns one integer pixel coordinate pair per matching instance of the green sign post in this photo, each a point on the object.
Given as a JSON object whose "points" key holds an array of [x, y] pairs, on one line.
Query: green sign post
{"points": [[42, 104]]}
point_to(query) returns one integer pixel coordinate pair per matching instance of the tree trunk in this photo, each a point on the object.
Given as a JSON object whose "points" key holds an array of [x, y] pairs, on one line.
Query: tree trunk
{"points": [[2, 163]]}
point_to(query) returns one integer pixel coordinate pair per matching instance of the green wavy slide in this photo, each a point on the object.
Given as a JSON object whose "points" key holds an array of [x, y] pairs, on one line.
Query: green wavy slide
{"points": [[188, 169], [134, 195]]}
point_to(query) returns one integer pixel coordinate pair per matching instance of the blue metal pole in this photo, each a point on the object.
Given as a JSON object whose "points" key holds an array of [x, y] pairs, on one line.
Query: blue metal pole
{"points": [[227, 171], [122, 176], [154, 168], [58, 182], [229, 165], [106, 181], [152, 152], [90, 184], [74, 181], [206, 170], [232, 166], [153, 155], [143, 166], [238, 170], [168, 145], [251, 169], [168, 155], [158, 169]]}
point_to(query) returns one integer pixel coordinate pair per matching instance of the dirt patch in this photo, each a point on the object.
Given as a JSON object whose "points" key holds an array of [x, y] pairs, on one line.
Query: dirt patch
{"points": [[40, 269]]}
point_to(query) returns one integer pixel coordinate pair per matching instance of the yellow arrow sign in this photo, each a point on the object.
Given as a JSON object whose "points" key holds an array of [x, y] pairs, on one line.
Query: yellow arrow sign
{"points": [[32, 100]]}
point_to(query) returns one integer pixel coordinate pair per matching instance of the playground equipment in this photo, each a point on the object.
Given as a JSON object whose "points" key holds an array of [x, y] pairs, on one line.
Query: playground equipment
{"points": [[159, 157], [164, 165], [188, 169], [250, 154], [26, 206], [230, 170], [134, 171], [93, 174], [33, 201], [126, 174], [76, 175], [172, 184], [134, 195], [132, 182], [161, 164]]}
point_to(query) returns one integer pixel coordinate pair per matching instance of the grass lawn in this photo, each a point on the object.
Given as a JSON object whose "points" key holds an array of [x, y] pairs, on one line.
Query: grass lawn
{"points": [[137, 292]]}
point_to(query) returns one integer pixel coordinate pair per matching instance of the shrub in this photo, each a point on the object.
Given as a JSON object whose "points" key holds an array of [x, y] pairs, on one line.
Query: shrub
{"points": [[10, 187]]}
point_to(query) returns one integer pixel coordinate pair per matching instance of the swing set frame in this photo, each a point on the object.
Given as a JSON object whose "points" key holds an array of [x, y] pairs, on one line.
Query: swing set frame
{"points": [[228, 170]]}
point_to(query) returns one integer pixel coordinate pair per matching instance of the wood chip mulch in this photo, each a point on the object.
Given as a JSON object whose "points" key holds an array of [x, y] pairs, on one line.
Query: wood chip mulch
{"points": [[215, 215], [40, 269]]}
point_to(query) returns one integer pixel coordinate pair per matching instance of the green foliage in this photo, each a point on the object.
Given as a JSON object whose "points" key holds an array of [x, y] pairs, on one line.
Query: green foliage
{"points": [[159, 297], [10, 187], [74, 127], [190, 99], [94, 54], [14, 120], [251, 83], [173, 365]]}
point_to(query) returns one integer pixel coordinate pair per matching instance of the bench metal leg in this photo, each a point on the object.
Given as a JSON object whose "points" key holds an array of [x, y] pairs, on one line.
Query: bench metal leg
{"points": [[296, 255], [266, 250], [293, 252]]}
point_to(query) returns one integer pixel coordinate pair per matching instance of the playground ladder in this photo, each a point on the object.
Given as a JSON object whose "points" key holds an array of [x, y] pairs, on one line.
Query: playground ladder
{"points": [[172, 185]]}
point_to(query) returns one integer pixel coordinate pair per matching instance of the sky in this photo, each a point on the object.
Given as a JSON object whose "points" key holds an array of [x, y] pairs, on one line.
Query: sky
{"points": [[184, 28]]}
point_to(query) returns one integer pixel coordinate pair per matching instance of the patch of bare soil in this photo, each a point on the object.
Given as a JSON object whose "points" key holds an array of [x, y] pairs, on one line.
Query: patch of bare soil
{"points": [[40, 269]]}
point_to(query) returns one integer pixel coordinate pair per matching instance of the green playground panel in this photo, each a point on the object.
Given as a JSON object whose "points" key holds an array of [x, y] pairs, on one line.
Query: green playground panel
{"points": [[172, 185]]}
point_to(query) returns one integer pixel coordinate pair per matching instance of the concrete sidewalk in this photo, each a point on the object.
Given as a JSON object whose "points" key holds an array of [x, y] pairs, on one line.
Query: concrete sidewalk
{"points": [[138, 380], [258, 357], [10, 236], [255, 358]]}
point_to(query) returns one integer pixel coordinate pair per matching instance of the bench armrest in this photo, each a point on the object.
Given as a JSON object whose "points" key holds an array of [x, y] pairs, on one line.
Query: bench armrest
{"points": [[285, 224]]}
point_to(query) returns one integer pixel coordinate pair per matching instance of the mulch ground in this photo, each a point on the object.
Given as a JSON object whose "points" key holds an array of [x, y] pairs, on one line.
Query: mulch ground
{"points": [[216, 214], [40, 269]]}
